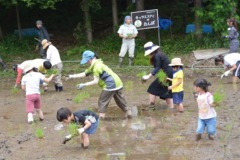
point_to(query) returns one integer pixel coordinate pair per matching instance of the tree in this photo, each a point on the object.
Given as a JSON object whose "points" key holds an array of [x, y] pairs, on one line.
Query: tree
{"points": [[198, 29], [140, 7], [114, 15]]}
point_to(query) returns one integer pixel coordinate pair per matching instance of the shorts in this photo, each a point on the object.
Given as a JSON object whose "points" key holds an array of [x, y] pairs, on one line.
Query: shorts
{"points": [[92, 129], [178, 97], [33, 101]]}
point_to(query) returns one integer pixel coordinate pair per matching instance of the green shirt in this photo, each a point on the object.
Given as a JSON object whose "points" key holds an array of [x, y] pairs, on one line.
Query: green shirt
{"points": [[108, 80]]}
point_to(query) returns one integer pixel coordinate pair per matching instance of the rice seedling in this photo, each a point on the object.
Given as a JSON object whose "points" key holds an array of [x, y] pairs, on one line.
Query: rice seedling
{"points": [[218, 97], [81, 96], [52, 71], [39, 133], [141, 74], [162, 77], [72, 129], [15, 90]]}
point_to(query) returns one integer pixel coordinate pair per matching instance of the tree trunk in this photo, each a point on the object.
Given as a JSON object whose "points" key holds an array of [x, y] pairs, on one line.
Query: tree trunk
{"points": [[198, 30], [87, 17], [140, 7], [18, 23], [1, 34], [115, 15]]}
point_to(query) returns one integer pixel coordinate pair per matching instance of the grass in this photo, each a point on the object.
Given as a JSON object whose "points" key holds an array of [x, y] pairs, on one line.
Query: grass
{"points": [[39, 133], [51, 71], [129, 85], [80, 97], [162, 77]]}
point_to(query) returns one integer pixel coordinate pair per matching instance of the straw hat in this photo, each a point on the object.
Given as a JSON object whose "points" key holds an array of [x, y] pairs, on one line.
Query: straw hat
{"points": [[45, 43], [149, 47], [176, 62]]}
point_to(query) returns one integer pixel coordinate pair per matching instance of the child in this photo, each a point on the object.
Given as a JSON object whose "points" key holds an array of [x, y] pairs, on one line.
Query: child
{"points": [[177, 83], [31, 84], [107, 80], [88, 119], [207, 114]]}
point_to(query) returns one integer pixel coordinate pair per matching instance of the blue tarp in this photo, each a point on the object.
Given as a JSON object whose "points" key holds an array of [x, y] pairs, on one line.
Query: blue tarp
{"points": [[205, 28], [27, 32], [164, 23]]}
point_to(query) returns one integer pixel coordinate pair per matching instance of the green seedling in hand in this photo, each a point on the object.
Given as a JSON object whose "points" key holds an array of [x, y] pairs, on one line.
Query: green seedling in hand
{"points": [[39, 133], [162, 77], [15, 90]]}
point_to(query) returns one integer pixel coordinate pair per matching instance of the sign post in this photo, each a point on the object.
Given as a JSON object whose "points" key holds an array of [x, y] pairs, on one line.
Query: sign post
{"points": [[146, 19]]}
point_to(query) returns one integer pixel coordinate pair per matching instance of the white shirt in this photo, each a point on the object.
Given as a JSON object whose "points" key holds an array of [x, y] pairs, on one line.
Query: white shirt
{"points": [[53, 55], [231, 59], [126, 30], [24, 65], [32, 81], [205, 111]]}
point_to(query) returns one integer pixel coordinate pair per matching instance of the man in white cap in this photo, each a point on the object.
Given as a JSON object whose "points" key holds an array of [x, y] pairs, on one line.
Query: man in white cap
{"points": [[127, 32], [43, 34], [54, 57]]}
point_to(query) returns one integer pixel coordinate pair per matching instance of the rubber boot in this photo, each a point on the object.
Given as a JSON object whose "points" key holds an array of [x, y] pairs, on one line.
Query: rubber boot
{"points": [[130, 61], [60, 89], [56, 88], [120, 62], [30, 118]]}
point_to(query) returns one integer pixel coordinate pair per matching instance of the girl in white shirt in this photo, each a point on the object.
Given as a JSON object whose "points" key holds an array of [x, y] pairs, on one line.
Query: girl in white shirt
{"points": [[206, 112]]}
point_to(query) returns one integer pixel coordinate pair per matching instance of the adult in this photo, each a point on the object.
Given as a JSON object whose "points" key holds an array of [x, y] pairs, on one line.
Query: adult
{"points": [[54, 57], [127, 32], [43, 34], [111, 84], [232, 35], [3, 64], [231, 63], [159, 62], [41, 65]]}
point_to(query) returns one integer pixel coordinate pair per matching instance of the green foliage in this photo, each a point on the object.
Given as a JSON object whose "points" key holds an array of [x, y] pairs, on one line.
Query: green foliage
{"points": [[44, 4], [72, 129], [80, 97], [217, 12], [51, 71], [39, 133], [162, 77], [218, 97]]}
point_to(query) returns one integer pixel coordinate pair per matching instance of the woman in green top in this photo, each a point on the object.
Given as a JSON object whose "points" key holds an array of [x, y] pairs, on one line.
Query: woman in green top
{"points": [[107, 80]]}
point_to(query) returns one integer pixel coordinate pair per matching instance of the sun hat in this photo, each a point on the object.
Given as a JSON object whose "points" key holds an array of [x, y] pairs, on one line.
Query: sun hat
{"points": [[87, 55], [45, 43], [149, 47], [126, 18], [39, 22], [176, 62]]}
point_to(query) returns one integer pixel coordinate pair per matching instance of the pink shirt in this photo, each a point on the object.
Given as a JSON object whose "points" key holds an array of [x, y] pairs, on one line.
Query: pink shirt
{"points": [[205, 111]]}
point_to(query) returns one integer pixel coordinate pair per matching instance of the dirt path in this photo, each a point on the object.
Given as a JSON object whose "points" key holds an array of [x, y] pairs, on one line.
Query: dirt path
{"points": [[161, 134]]}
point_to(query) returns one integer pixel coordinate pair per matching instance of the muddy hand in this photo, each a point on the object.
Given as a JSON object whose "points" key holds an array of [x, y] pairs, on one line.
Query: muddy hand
{"points": [[67, 138], [143, 80], [80, 86]]}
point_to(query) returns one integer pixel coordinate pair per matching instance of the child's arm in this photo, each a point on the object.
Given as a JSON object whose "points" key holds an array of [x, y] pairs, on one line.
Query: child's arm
{"points": [[176, 84], [80, 75], [24, 87], [47, 80], [86, 126], [169, 79], [93, 82]]}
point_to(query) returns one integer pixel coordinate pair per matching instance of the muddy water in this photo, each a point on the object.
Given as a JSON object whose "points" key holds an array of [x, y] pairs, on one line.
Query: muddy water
{"points": [[162, 134]]}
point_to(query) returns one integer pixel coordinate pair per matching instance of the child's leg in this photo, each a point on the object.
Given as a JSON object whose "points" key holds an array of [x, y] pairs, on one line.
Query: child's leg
{"points": [[152, 99], [200, 129], [85, 140], [180, 107], [169, 102], [30, 107], [103, 102], [37, 106], [211, 126]]}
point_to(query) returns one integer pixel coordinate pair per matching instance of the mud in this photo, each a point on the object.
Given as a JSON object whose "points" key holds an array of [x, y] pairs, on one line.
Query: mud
{"points": [[163, 134]]}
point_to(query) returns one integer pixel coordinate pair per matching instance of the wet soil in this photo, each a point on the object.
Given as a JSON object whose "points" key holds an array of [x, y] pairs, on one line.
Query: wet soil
{"points": [[163, 134]]}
